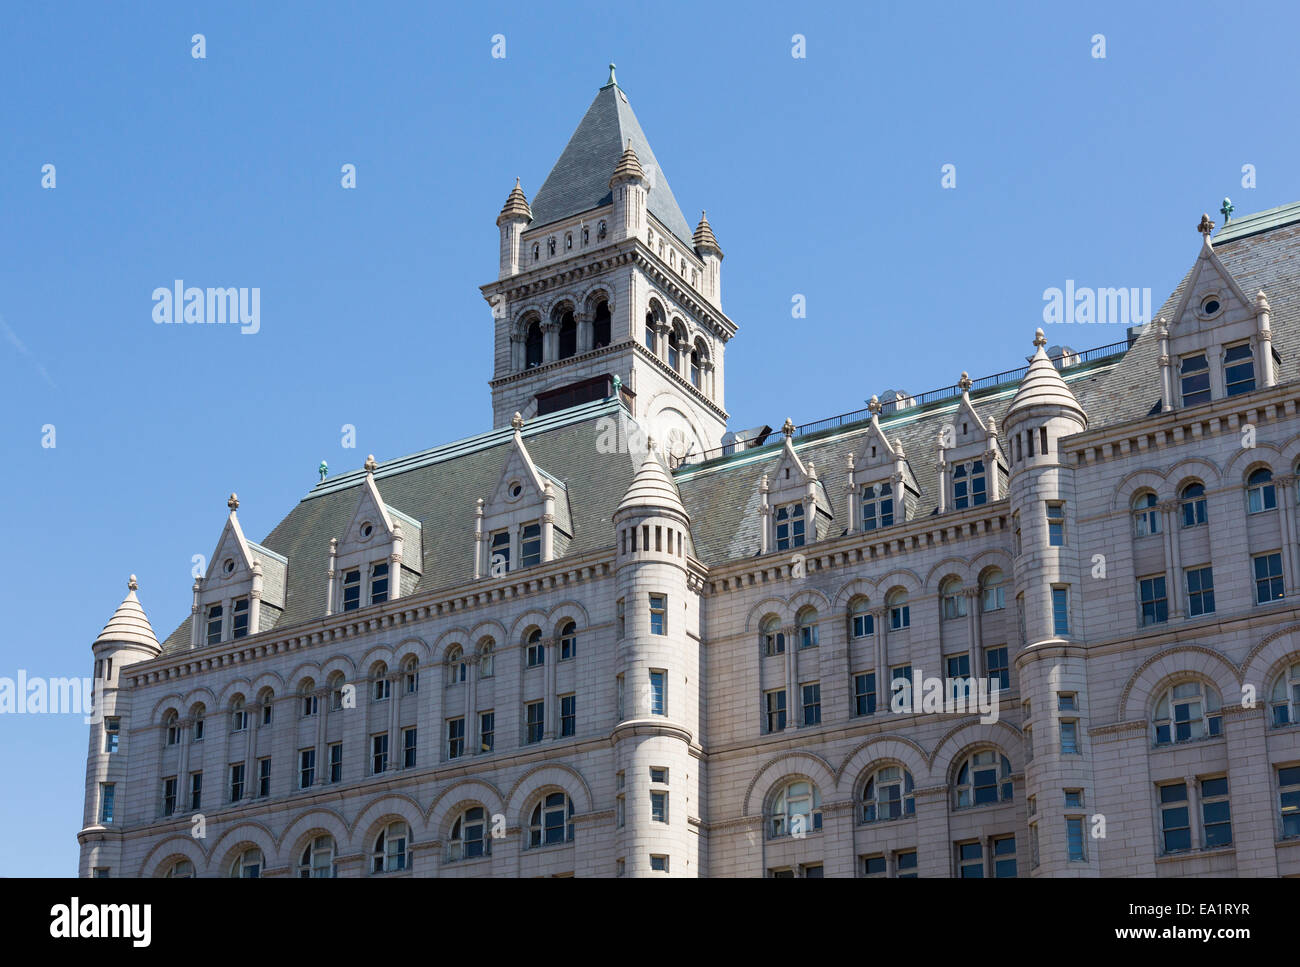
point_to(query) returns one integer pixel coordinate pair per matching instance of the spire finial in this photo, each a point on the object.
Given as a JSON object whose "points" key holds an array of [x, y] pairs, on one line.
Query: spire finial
{"points": [[517, 421], [611, 76], [788, 427], [1206, 226], [370, 465], [964, 383], [873, 405], [132, 584], [323, 470], [1227, 210], [1040, 340], [233, 502]]}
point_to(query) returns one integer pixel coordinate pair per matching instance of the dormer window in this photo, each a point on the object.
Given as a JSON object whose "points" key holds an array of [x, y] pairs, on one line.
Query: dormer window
{"points": [[969, 485], [215, 612], [500, 553], [530, 546], [1238, 369], [352, 589], [877, 505], [379, 583], [239, 619], [1194, 374], [789, 526]]}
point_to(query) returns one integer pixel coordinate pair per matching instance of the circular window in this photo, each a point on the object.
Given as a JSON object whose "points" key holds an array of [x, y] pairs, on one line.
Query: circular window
{"points": [[228, 566], [516, 488], [1210, 306], [367, 530]]}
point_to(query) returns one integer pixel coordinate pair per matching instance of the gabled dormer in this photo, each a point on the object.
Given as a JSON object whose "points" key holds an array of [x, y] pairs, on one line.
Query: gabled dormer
{"points": [[1218, 342], [972, 467], [526, 520], [380, 555], [881, 488], [793, 504], [242, 592]]}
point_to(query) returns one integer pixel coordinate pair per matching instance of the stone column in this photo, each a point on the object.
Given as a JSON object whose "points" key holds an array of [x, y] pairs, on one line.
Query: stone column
{"points": [[322, 710], [1286, 484], [394, 680], [793, 702], [974, 627], [1173, 567], [880, 619], [472, 737], [1254, 801], [550, 656], [583, 321]]}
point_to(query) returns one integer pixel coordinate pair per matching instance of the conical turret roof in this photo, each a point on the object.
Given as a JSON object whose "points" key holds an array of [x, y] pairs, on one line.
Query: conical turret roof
{"points": [[129, 625], [1043, 385], [704, 238], [629, 165], [516, 205], [652, 488]]}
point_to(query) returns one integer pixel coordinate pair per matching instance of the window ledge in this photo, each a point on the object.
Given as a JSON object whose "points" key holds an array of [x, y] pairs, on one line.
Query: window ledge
{"points": [[1196, 853]]}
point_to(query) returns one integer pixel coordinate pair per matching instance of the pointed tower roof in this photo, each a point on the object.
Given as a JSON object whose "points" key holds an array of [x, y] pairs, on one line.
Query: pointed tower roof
{"points": [[703, 236], [629, 166], [652, 488], [129, 625], [1043, 385], [579, 181], [516, 205]]}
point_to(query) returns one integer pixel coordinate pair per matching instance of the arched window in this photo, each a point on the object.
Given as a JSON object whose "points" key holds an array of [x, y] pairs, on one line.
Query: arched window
{"points": [[411, 673], [600, 327], [861, 621], [181, 870], [552, 821], [1193, 498], [266, 699], [650, 331], [485, 662], [456, 665], [1146, 519], [796, 809], [877, 502], [993, 592], [1187, 711], [533, 345], [568, 334], [307, 695], [888, 795], [380, 685], [537, 251], [773, 636], [568, 641], [1261, 495], [389, 854], [983, 778], [954, 602], [697, 363], [247, 865], [336, 684], [238, 714], [808, 636], [1285, 700], [469, 835], [676, 342], [197, 714], [171, 722], [900, 613], [317, 860], [534, 649]]}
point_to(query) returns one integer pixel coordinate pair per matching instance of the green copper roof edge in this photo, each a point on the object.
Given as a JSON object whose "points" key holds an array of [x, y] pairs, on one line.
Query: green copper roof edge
{"points": [[1258, 223]]}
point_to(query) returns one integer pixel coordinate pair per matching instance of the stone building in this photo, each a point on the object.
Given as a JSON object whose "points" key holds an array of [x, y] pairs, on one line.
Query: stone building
{"points": [[561, 647]]}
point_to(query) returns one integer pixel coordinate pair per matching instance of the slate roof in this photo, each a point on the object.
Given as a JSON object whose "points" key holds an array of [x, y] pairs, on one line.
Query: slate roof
{"points": [[439, 486], [579, 181]]}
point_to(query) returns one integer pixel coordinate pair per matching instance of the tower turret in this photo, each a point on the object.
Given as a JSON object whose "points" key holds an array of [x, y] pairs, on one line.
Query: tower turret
{"points": [[710, 253], [629, 186], [514, 218]]}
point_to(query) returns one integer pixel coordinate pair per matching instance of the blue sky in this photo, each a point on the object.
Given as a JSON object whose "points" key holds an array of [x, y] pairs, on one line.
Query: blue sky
{"points": [[821, 176]]}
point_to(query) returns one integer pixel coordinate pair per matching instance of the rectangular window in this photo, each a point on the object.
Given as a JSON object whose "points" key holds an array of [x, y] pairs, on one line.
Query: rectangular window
{"points": [[864, 625], [1175, 823], [455, 737], [969, 485], [874, 866], [877, 506], [236, 781], [568, 715], [1067, 701], [263, 777], [1194, 372], [1056, 524], [112, 730], [101, 872], [812, 871], [1200, 591], [1288, 788], [812, 703], [533, 720], [789, 526], [1238, 369], [659, 807], [336, 762], [658, 692], [864, 693], [618, 696], [487, 727], [1061, 611], [905, 864], [169, 796], [1074, 839], [214, 624], [1268, 578], [658, 614], [658, 864], [568, 642], [1004, 857], [659, 775], [1216, 812], [996, 666], [536, 653], [379, 754], [306, 768], [900, 684], [808, 637], [107, 797], [774, 704], [1069, 737], [621, 614], [239, 618], [970, 861], [352, 589], [379, 583], [958, 667], [1154, 600], [409, 738], [530, 545], [196, 790], [1073, 798], [499, 555]]}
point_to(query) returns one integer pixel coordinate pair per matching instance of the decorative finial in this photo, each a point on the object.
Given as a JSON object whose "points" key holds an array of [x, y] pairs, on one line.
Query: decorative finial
{"points": [[964, 382], [517, 421], [873, 405], [233, 502], [1206, 226], [993, 427], [323, 470], [788, 427], [649, 445], [1039, 339], [1227, 210], [611, 76], [370, 465], [132, 584]]}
